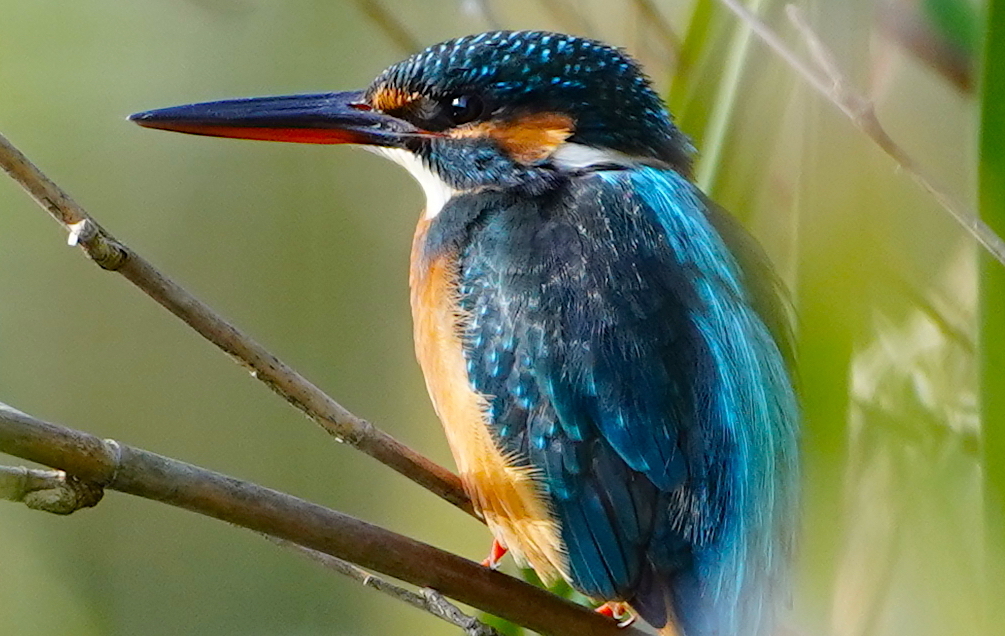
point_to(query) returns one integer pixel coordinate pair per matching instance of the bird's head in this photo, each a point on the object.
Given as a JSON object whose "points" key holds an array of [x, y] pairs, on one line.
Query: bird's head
{"points": [[496, 110]]}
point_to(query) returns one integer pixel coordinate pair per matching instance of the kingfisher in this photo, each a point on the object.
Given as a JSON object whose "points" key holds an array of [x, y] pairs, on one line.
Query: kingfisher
{"points": [[609, 352]]}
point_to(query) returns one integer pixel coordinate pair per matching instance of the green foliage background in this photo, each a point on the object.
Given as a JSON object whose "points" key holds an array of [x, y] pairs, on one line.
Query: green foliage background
{"points": [[900, 332]]}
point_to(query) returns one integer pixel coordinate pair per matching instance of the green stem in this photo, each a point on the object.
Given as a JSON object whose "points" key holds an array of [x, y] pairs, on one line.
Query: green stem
{"points": [[992, 338]]}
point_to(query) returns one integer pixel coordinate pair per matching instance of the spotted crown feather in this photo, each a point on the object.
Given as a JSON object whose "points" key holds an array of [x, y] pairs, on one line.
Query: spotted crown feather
{"points": [[605, 91]]}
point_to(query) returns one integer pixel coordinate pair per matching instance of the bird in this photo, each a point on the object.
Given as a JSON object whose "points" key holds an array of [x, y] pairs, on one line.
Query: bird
{"points": [[609, 352]]}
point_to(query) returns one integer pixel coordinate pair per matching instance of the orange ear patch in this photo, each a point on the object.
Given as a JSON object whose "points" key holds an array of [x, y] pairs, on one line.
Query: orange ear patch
{"points": [[388, 99], [527, 139]]}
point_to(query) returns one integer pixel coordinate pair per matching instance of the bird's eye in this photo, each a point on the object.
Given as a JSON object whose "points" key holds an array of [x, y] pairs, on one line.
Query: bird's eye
{"points": [[464, 109]]}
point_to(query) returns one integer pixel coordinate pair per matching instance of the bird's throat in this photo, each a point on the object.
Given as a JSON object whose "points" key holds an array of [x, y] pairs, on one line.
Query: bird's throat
{"points": [[437, 191]]}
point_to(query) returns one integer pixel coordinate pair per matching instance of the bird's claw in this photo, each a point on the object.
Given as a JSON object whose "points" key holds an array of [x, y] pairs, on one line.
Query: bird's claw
{"points": [[619, 611], [496, 554]]}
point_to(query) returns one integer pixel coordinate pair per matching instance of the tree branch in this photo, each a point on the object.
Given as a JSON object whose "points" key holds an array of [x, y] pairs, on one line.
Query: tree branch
{"points": [[111, 254], [138, 472], [836, 89]]}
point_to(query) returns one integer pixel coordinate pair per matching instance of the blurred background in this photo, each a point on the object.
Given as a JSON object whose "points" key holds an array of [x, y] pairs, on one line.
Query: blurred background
{"points": [[306, 248]]}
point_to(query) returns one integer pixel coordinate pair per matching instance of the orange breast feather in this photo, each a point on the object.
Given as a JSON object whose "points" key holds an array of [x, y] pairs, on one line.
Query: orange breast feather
{"points": [[507, 495]]}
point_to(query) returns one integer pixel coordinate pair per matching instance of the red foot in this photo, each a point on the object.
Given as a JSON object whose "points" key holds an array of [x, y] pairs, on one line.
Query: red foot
{"points": [[619, 611], [496, 554]]}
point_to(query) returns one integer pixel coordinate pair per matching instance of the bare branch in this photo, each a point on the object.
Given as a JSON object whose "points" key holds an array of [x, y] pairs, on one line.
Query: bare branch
{"points": [[112, 255], [390, 25], [833, 86], [429, 600], [144, 474]]}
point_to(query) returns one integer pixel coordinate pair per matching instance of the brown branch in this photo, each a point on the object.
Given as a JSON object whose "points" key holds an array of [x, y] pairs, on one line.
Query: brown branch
{"points": [[112, 255], [55, 492], [830, 83], [144, 474]]}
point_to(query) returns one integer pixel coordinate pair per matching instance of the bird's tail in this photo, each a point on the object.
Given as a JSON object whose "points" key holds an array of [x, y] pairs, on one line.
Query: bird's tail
{"points": [[654, 602], [676, 606], [671, 626]]}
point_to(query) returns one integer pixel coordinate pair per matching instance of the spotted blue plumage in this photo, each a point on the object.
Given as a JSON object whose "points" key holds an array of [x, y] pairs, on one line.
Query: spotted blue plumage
{"points": [[628, 360]]}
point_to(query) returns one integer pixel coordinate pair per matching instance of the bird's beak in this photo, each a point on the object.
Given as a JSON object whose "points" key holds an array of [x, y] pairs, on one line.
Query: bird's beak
{"points": [[327, 118]]}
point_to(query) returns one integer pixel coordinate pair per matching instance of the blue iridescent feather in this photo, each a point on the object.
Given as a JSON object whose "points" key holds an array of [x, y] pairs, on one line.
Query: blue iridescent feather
{"points": [[626, 358]]}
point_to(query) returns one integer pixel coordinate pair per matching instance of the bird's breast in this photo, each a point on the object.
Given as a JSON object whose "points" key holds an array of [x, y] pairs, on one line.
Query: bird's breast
{"points": [[508, 495]]}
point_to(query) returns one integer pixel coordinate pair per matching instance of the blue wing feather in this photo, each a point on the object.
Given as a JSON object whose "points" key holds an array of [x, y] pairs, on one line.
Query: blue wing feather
{"points": [[640, 365]]}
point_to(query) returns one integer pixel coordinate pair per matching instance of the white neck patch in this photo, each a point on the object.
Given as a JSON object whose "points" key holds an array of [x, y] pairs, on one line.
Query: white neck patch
{"points": [[437, 191], [573, 156], [568, 156]]}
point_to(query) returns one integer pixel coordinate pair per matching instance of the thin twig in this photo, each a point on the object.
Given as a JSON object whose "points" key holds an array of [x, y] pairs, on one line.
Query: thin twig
{"points": [[654, 19], [833, 85], [138, 472], [113, 255], [429, 600], [390, 25]]}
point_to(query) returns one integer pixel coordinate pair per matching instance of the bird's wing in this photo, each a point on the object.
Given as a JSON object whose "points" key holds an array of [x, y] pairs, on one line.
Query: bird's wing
{"points": [[766, 292], [624, 360]]}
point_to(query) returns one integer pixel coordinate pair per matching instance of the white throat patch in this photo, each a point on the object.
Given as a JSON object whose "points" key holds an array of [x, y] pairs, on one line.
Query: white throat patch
{"points": [[437, 191]]}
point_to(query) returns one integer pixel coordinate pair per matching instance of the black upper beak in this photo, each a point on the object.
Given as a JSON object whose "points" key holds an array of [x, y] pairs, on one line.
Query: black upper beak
{"points": [[327, 118]]}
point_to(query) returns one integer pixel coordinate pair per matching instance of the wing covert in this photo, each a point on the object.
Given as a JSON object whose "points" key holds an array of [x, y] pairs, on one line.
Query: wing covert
{"points": [[623, 358]]}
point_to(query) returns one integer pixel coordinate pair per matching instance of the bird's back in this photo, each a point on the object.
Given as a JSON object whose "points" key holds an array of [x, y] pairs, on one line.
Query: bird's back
{"points": [[627, 372]]}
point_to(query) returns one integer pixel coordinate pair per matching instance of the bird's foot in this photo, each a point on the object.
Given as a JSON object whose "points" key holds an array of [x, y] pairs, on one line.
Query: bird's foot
{"points": [[496, 554], [619, 611]]}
